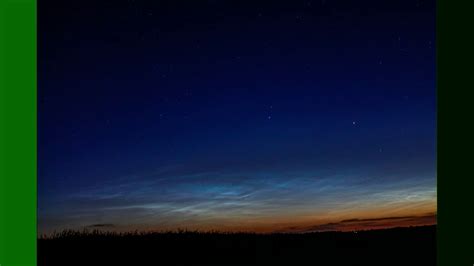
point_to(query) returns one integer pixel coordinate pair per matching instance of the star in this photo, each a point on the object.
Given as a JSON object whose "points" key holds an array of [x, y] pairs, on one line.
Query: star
{"points": [[269, 117], [353, 122]]}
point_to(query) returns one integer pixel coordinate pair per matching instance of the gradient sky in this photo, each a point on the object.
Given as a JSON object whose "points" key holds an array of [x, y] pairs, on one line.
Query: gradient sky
{"points": [[235, 115]]}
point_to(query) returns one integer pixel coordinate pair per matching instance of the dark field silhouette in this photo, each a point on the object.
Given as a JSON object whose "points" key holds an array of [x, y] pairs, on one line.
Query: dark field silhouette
{"points": [[397, 246]]}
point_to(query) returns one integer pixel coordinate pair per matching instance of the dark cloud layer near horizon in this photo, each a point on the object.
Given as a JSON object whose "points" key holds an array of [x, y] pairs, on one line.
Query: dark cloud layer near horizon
{"points": [[356, 224]]}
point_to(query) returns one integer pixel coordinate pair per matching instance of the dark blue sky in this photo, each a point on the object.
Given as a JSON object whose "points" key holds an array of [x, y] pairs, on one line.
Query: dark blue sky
{"points": [[234, 114]]}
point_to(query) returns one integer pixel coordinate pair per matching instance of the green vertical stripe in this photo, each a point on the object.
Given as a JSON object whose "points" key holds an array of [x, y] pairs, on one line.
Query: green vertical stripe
{"points": [[455, 74], [17, 132]]}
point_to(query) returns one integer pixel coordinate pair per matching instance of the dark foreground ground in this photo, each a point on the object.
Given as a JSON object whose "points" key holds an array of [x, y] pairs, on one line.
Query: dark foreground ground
{"points": [[399, 246]]}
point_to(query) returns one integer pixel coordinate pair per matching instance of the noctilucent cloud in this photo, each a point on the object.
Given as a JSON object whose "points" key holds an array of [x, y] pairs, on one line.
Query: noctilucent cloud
{"points": [[236, 115]]}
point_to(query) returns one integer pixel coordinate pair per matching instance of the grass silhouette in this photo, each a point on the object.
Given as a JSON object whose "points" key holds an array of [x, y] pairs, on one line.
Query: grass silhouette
{"points": [[396, 246]]}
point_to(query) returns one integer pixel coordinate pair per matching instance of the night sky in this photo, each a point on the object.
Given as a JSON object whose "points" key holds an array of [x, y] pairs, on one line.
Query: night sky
{"points": [[236, 115]]}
